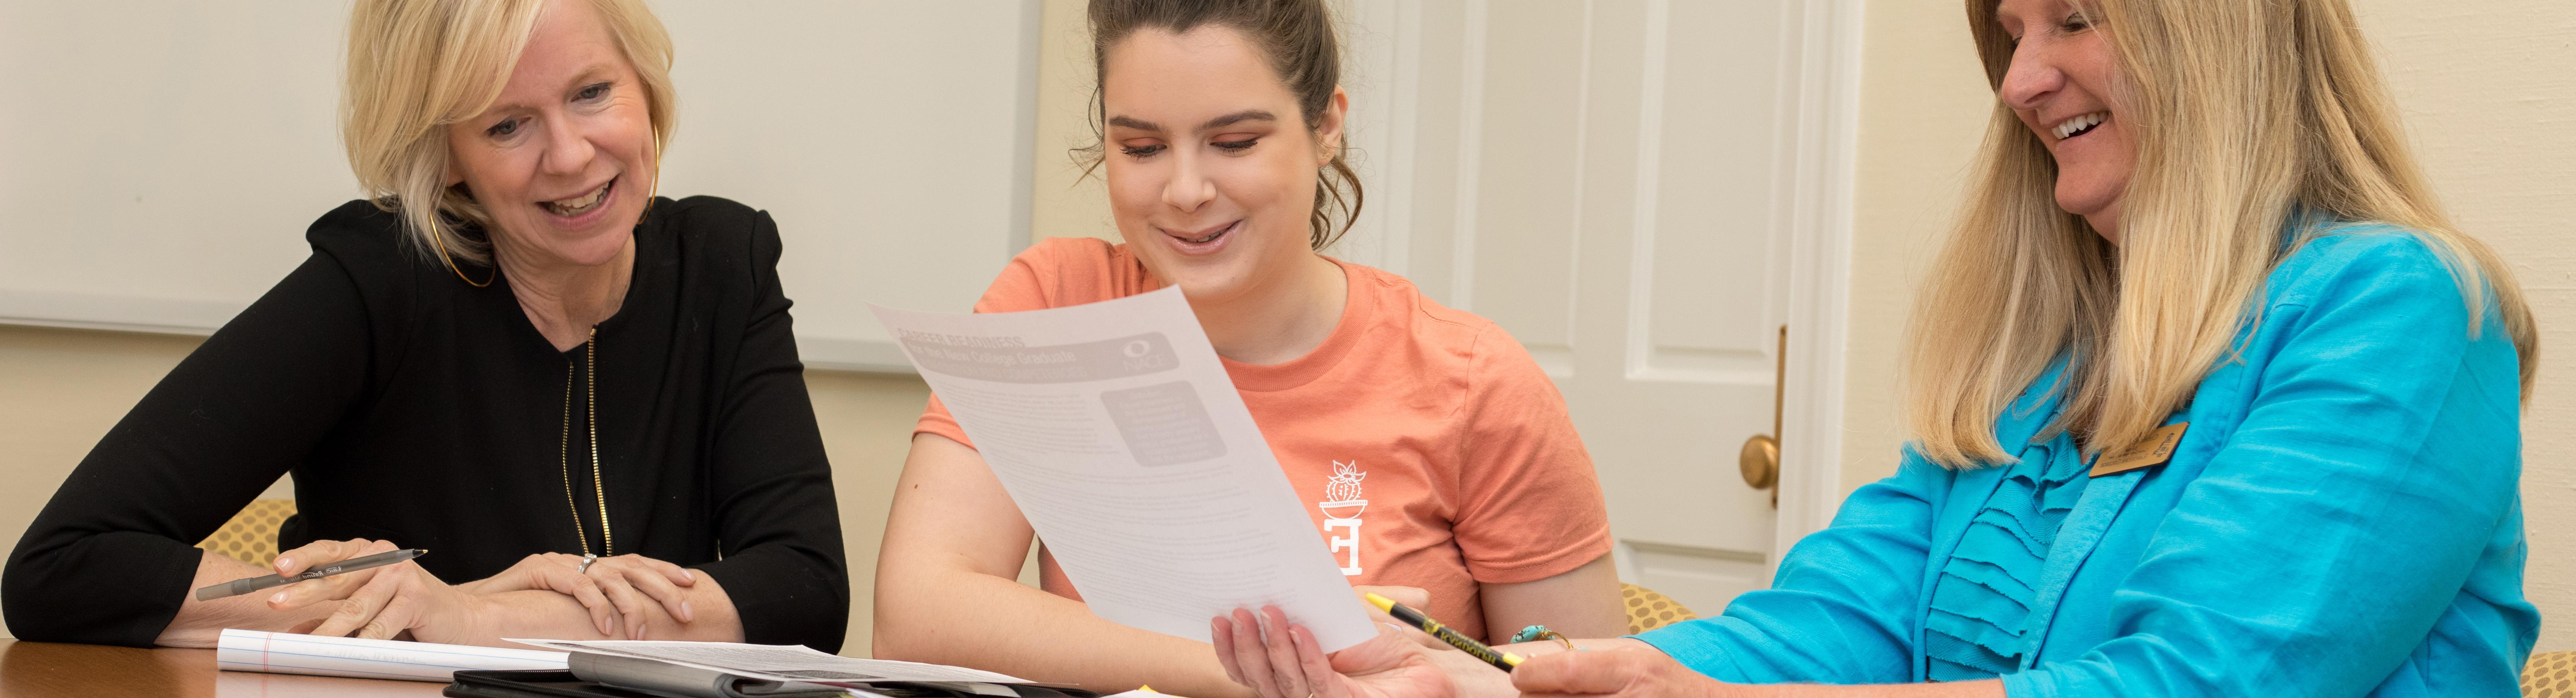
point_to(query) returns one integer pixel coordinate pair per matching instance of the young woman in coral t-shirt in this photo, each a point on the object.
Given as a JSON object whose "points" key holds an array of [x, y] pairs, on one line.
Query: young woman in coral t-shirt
{"points": [[1431, 450]]}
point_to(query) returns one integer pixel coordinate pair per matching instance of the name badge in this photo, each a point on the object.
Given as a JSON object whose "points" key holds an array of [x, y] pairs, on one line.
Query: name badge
{"points": [[2148, 452]]}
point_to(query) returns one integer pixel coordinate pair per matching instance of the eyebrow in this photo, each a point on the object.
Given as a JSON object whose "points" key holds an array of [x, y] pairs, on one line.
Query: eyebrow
{"points": [[1134, 123], [1216, 123], [1238, 117], [591, 75]]}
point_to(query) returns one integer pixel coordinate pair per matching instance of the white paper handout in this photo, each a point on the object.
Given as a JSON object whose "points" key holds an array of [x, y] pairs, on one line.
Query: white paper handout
{"points": [[774, 662], [291, 653], [1121, 438]]}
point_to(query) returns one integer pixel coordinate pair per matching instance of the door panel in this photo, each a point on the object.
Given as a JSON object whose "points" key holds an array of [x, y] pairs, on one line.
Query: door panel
{"points": [[1523, 248], [1692, 575], [1610, 182], [1716, 204]]}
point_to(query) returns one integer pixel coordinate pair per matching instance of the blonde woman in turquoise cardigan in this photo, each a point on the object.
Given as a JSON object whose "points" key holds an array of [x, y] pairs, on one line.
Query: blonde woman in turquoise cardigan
{"points": [[2207, 398]]}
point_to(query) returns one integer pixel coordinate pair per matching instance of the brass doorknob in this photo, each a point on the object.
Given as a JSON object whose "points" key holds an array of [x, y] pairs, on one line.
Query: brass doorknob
{"points": [[1760, 460]]}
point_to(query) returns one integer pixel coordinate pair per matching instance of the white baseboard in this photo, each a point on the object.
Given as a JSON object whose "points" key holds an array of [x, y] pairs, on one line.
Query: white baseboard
{"points": [[853, 355], [200, 318], [116, 313]]}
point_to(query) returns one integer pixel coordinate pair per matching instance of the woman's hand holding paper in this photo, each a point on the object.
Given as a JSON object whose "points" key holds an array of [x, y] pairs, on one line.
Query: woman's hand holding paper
{"points": [[1282, 660]]}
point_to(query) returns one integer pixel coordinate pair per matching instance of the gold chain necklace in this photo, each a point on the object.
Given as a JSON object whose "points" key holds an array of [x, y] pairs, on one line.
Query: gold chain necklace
{"points": [[563, 454]]}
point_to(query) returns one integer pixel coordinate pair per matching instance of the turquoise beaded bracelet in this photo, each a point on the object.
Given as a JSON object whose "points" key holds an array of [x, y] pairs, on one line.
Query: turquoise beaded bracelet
{"points": [[1540, 632]]}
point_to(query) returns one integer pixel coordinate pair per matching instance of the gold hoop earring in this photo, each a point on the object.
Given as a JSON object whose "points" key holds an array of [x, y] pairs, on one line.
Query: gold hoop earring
{"points": [[440, 239]]}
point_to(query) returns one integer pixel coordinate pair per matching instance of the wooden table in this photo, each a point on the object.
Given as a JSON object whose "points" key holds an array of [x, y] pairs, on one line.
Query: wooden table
{"points": [[53, 670]]}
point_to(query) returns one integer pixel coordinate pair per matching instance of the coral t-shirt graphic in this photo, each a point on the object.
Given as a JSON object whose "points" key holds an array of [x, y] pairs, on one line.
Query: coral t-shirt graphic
{"points": [[1342, 508]]}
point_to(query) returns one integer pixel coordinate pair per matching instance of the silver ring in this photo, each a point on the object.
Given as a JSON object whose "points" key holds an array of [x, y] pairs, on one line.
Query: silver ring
{"points": [[586, 559]]}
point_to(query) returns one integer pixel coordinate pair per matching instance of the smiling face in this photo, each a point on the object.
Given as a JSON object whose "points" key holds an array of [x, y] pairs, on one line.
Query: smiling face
{"points": [[2061, 84], [1211, 168], [563, 160]]}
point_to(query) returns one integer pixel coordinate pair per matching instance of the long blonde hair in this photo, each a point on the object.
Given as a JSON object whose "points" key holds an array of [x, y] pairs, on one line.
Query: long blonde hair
{"points": [[2245, 115], [416, 66]]}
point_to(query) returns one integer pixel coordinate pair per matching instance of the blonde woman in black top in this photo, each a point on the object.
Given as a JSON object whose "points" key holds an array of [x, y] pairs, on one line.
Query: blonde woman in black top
{"points": [[583, 399]]}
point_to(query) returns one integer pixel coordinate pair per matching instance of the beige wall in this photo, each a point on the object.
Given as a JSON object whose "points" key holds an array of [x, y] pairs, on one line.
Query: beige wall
{"points": [[867, 429], [1064, 202], [2489, 92], [1923, 109], [67, 387]]}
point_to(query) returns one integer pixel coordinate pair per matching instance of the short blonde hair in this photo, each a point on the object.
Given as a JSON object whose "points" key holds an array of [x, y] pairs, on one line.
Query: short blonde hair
{"points": [[417, 66], [2244, 113]]}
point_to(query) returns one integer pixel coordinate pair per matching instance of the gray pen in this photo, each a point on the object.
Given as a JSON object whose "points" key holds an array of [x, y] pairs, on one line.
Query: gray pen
{"points": [[239, 587]]}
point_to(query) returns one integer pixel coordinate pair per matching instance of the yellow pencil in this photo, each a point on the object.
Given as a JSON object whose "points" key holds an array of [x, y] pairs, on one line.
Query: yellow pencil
{"points": [[1501, 660]]}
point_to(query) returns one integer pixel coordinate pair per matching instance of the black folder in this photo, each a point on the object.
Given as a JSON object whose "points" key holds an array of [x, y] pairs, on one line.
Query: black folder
{"points": [[542, 683]]}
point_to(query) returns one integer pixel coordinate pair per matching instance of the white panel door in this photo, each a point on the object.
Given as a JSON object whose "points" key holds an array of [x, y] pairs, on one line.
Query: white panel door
{"points": [[1614, 182]]}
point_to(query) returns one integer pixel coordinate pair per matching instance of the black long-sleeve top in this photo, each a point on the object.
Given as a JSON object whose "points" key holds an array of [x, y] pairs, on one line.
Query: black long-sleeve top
{"points": [[415, 408]]}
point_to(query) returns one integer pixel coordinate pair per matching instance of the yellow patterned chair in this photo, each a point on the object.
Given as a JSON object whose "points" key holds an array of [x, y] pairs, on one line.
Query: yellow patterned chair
{"points": [[1648, 610], [251, 536], [2550, 675]]}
